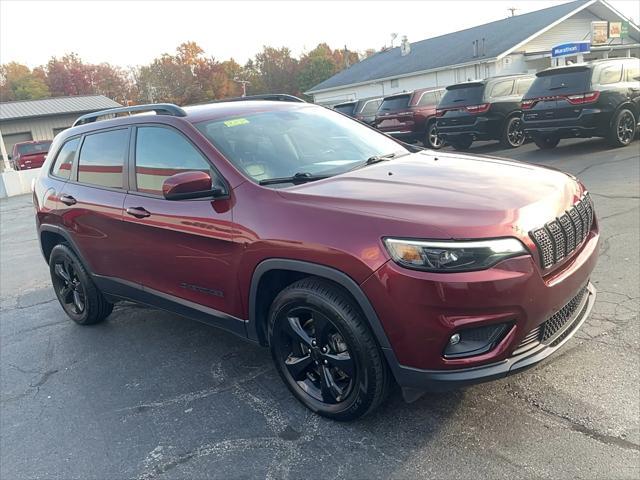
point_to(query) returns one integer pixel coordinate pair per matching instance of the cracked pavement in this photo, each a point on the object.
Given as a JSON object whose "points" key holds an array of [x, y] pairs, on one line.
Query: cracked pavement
{"points": [[150, 395]]}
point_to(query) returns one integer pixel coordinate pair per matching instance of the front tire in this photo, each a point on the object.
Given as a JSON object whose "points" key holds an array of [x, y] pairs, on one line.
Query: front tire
{"points": [[79, 297], [513, 133], [546, 143], [325, 352], [623, 129]]}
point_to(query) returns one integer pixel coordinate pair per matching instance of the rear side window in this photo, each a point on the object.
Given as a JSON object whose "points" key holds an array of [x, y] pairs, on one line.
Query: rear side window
{"points": [[162, 152], [501, 89], [632, 71], [102, 158], [395, 103], [64, 160], [462, 95], [346, 108], [523, 85], [428, 98], [371, 107], [607, 74], [560, 83]]}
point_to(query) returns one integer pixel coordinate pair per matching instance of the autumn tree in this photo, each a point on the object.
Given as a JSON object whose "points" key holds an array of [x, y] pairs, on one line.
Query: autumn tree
{"points": [[276, 70], [321, 63], [18, 82]]}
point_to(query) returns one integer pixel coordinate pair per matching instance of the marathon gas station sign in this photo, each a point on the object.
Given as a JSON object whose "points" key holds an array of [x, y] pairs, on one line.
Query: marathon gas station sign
{"points": [[573, 48]]}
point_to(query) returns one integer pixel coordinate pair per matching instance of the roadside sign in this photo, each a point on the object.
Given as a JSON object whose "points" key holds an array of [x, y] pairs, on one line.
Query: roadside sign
{"points": [[572, 48], [624, 29], [599, 32], [615, 29]]}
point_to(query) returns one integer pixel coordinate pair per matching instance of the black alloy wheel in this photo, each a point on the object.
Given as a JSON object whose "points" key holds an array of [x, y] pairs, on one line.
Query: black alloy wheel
{"points": [[76, 292], [623, 129], [325, 352], [315, 355], [513, 133], [434, 141], [68, 287]]}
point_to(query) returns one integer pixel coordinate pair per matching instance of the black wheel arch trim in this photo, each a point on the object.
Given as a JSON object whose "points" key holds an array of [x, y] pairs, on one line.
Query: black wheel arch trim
{"points": [[627, 105], [317, 270], [67, 237]]}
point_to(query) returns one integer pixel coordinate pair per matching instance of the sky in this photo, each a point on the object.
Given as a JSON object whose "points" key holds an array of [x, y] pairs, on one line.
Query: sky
{"points": [[135, 32]]}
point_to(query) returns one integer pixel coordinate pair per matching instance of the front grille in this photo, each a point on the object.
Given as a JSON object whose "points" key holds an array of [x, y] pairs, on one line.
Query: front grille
{"points": [[545, 332], [561, 236]]}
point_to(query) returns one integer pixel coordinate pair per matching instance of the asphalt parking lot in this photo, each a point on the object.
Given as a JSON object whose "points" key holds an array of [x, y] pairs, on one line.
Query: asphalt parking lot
{"points": [[152, 395]]}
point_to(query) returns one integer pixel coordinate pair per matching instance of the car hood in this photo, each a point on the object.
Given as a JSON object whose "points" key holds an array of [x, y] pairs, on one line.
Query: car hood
{"points": [[461, 196]]}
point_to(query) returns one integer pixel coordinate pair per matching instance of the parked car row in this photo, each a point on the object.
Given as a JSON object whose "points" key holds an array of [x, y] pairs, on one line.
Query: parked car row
{"points": [[595, 99]]}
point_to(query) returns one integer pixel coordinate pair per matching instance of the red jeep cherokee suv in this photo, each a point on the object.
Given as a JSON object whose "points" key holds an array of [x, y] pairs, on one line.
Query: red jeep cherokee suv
{"points": [[357, 261]]}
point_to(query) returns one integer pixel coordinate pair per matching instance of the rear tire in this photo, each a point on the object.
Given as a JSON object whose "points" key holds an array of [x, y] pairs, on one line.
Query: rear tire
{"points": [[324, 351], [546, 143], [461, 143], [512, 133], [78, 295], [432, 139], [623, 129]]}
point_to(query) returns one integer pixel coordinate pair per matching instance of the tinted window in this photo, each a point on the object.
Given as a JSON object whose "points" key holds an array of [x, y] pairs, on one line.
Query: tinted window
{"points": [[64, 160], [501, 89], [346, 108], [428, 98], [394, 103], [281, 143], [102, 158], [462, 95], [560, 82], [609, 74], [31, 148], [371, 107], [523, 85], [162, 152]]}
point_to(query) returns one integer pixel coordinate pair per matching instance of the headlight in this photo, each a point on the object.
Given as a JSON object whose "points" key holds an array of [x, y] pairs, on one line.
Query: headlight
{"points": [[453, 256]]}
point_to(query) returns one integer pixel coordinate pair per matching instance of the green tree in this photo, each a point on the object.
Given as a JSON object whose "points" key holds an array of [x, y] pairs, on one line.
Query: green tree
{"points": [[18, 82]]}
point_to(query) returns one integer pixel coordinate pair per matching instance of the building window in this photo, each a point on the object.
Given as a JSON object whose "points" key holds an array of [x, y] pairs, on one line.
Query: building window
{"points": [[394, 83]]}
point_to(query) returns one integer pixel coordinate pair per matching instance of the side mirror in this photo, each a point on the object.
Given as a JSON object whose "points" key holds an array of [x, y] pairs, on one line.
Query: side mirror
{"points": [[194, 184]]}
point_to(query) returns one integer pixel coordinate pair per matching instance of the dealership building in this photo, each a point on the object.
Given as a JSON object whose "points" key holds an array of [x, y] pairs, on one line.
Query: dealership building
{"points": [[572, 32], [27, 120]]}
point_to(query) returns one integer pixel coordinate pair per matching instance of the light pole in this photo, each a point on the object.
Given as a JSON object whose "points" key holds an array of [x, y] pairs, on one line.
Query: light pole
{"points": [[244, 84]]}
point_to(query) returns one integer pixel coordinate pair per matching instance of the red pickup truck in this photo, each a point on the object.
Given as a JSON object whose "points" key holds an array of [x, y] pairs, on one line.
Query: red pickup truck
{"points": [[26, 155]]}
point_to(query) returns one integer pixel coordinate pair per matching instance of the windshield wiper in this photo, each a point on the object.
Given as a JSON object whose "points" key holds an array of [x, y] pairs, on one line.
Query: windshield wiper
{"points": [[296, 179], [378, 159]]}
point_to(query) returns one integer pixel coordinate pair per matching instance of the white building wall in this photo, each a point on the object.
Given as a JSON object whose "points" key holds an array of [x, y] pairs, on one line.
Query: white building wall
{"points": [[440, 78], [40, 128]]}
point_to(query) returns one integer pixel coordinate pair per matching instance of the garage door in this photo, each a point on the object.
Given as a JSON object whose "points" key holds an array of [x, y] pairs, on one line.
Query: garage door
{"points": [[12, 139]]}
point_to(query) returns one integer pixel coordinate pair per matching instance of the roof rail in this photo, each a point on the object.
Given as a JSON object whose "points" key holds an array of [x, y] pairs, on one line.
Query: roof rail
{"points": [[276, 97], [159, 108]]}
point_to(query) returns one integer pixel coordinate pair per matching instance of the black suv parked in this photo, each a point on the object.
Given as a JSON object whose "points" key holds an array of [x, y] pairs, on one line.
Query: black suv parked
{"points": [[488, 109], [364, 109], [596, 99]]}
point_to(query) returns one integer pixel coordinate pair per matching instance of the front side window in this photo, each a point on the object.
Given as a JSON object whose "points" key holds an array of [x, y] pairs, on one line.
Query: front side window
{"points": [[299, 140], [102, 158], [64, 160], [162, 152]]}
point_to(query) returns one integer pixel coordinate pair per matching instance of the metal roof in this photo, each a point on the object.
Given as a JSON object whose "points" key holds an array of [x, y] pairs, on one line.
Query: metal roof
{"points": [[452, 49], [54, 106]]}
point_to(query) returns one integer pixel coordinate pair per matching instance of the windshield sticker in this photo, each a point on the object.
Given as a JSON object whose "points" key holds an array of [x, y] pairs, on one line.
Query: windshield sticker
{"points": [[236, 121]]}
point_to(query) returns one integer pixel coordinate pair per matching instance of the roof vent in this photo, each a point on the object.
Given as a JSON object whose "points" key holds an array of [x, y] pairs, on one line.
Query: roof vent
{"points": [[405, 46]]}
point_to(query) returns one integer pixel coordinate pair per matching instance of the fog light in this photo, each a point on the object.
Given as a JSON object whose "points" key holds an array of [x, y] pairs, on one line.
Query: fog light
{"points": [[475, 341]]}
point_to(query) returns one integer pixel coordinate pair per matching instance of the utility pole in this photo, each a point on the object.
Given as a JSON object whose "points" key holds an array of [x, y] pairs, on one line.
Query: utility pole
{"points": [[244, 84], [513, 11]]}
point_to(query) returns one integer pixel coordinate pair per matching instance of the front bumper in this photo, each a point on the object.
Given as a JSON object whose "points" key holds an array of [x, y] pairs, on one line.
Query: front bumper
{"points": [[439, 380]]}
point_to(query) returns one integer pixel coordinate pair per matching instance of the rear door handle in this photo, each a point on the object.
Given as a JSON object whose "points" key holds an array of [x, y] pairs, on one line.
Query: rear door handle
{"points": [[138, 212], [68, 200]]}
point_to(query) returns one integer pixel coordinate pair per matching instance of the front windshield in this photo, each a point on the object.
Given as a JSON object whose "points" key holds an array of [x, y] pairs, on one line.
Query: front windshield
{"points": [[301, 139]]}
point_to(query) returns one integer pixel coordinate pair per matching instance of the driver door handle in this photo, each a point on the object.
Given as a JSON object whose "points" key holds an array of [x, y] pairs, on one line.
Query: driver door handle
{"points": [[138, 212]]}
